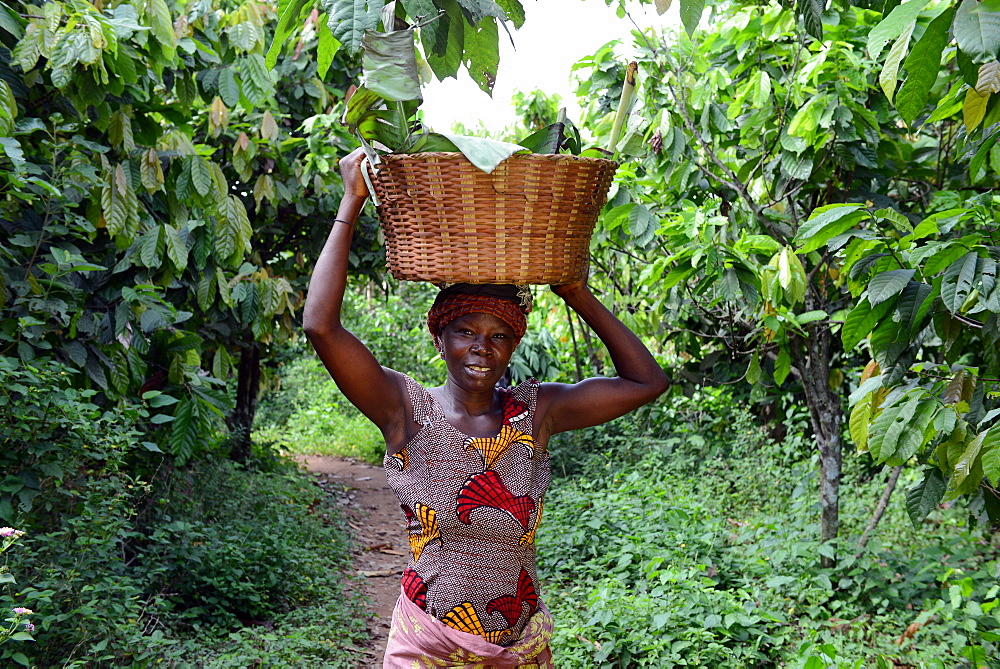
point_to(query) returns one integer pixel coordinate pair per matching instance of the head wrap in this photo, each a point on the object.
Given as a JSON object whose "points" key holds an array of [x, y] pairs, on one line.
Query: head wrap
{"points": [[507, 302]]}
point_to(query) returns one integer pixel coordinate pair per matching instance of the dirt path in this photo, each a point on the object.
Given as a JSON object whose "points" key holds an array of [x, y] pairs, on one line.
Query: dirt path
{"points": [[380, 549]]}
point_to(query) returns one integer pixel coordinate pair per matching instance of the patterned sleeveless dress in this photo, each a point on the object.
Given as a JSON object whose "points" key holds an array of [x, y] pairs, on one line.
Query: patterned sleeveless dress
{"points": [[472, 506]]}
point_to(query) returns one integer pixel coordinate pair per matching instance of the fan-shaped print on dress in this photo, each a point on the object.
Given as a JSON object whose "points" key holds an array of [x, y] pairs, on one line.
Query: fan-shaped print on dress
{"points": [[415, 588], [513, 408], [529, 536], [487, 490], [491, 448], [428, 528], [401, 459], [512, 606], [465, 619]]}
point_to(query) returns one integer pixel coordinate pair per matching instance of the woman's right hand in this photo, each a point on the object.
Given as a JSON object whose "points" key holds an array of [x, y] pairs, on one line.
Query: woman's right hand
{"points": [[350, 171]]}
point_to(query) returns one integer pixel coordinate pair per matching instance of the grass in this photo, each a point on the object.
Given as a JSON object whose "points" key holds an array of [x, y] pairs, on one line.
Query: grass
{"points": [[310, 416]]}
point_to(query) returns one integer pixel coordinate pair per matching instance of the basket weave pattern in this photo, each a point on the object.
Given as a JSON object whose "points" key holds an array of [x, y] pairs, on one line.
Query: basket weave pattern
{"points": [[530, 221]]}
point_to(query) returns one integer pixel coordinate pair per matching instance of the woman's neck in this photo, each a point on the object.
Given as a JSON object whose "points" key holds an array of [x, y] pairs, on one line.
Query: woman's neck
{"points": [[469, 403]]}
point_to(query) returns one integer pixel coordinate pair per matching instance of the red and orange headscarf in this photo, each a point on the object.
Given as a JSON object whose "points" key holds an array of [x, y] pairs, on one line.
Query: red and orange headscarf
{"points": [[509, 303]]}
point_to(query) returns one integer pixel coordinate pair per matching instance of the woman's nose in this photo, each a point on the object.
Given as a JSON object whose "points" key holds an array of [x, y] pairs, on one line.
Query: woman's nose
{"points": [[479, 347]]}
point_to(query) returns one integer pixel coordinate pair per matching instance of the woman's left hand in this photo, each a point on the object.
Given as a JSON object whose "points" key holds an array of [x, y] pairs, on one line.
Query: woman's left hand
{"points": [[564, 290]]}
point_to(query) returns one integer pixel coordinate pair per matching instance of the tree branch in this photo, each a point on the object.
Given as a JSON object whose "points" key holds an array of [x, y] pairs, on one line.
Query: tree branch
{"points": [[879, 508]]}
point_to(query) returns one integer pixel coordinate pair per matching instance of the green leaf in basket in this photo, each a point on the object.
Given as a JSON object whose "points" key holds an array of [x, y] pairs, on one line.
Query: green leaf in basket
{"points": [[389, 63], [360, 103], [546, 140], [596, 152], [485, 154], [428, 142]]}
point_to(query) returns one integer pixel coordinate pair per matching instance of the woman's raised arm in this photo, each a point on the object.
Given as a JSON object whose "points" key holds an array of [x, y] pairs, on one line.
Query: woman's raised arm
{"points": [[375, 390], [598, 400]]}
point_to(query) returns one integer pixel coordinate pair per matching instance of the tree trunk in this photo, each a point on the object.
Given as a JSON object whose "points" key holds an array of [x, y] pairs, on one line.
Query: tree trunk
{"points": [[826, 413], [240, 421]]}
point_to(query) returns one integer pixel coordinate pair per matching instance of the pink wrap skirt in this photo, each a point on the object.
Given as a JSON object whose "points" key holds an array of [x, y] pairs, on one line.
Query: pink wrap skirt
{"points": [[420, 641]]}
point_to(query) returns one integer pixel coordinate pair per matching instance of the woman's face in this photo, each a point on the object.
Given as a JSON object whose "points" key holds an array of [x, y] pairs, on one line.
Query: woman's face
{"points": [[477, 348]]}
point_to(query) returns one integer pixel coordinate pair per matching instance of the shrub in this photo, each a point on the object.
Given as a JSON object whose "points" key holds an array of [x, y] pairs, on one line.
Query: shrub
{"points": [[66, 483], [687, 537]]}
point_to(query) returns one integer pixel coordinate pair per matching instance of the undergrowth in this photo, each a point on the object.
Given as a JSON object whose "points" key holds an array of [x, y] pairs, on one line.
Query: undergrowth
{"points": [[127, 561], [697, 547]]}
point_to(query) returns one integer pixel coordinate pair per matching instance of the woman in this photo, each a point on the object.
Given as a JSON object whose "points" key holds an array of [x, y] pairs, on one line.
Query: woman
{"points": [[468, 460]]}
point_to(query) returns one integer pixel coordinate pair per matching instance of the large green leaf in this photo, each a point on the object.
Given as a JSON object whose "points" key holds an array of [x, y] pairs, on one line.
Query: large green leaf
{"points": [[890, 69], [966, 462], [886, 284], [201, 175], [892, 26], [977, 31], [327, 47], [922, 66], [446, 39], [861, 321], [691, 11], [158, 18], [923, 497], [484, 153], [959, 280], [349, 19], [290, 19], [861, 415], [482, 53], [514, 11], [825, 223], [811, 12], [791, 275], [991, 455], [229, 89], [256, 78], [912, 307], [358, 106], [915, 434], [782, 366], [177, 251], [890, 426], [389, 64], [477, 10]]}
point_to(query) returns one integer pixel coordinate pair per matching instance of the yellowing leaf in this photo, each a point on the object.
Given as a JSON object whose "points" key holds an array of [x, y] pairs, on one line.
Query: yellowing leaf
{"points": [[860, 417], [890, 71], [151, 171], [218, 117], [661, 6], [264, 188], [989, 78], [974, 109], [268, 127]]}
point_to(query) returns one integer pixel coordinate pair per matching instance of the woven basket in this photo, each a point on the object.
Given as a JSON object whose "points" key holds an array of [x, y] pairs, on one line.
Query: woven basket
{"points": [[530, 221]]}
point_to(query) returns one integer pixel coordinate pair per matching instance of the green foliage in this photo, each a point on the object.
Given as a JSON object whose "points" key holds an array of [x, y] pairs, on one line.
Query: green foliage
{"points": [[931, 394], [686, 538], [968, 28], [18, 625], [160, 207], [213, 557], [310, 416], [67, 483], [766, 174]]}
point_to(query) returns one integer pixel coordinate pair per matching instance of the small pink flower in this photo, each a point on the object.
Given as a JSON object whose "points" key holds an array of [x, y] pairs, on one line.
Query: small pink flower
{"points": [[29, 627], [7, 532], [21, 611]]}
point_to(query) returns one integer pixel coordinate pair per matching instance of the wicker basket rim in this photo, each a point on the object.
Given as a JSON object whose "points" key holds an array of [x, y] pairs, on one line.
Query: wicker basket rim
{"points": [[457, 155]]}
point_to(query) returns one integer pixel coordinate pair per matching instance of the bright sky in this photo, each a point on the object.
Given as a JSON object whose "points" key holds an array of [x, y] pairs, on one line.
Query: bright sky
{"points": [[555, 35]]}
